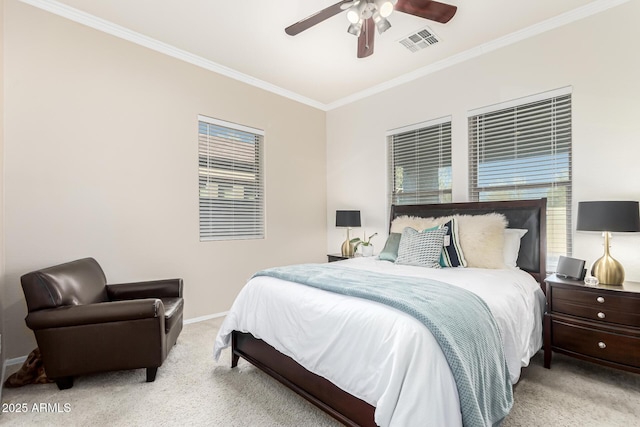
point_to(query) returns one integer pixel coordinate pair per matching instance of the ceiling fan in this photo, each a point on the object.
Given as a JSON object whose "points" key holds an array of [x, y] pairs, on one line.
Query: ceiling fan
{"points": [[363, 15]]}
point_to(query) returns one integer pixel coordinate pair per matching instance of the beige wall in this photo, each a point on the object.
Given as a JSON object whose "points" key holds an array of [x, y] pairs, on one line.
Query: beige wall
{"points": [[101, 160], [597, 56]]}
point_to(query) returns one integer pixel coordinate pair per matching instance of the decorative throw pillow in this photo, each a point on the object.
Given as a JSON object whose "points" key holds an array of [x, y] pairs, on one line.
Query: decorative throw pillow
{"points": [[452, 254], [512, 238], [422, 249], [390, 250], [482, 239]]}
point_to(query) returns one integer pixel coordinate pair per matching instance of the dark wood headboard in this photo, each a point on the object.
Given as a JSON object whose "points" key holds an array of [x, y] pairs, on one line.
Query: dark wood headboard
{"points": [[529, 214]]}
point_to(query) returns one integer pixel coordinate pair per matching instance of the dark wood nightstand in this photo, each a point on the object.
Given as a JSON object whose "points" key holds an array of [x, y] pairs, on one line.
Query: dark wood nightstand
{"points": [[337, 257], [600, 324]]}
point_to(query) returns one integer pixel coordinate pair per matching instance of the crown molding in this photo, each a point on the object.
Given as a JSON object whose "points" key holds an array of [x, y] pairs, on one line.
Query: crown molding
{"points": [[108, 27], [517, 36]]}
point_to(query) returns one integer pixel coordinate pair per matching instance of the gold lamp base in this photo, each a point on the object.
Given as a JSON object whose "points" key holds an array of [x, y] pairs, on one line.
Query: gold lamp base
{"points": [[347, 247], [607, 270]]}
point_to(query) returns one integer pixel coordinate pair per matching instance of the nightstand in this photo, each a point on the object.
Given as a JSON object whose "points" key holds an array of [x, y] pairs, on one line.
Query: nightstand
{"points": [[599, 324], [337, 257]]}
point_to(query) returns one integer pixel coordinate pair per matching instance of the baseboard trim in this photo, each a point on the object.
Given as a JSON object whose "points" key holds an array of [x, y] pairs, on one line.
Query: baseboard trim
{"points": [[15, 361], [207, 317], [10, 362], [4, 371]]}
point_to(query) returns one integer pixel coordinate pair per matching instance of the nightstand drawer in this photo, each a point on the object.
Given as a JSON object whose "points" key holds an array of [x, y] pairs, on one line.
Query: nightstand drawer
{"points": [[602, 345], [601, 313], [595, 298]]}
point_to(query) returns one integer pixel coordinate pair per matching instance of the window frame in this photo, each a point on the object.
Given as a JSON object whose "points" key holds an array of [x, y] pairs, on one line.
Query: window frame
{"points": [[237, 181], [421, 195], [559, 142]]}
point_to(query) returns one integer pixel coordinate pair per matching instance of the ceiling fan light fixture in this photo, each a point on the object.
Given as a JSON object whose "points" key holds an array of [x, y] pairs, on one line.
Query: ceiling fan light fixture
{"points": [[355, 29], [354, 13], [353, 16], [382, 24], [384, 7]]}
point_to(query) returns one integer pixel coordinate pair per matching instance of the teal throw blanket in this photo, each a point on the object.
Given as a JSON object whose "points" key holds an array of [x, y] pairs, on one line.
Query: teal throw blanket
{"points": [[459, 320]]}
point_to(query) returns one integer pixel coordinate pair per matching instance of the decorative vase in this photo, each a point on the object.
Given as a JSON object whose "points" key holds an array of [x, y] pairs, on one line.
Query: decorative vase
{"points": [[366, 250]]}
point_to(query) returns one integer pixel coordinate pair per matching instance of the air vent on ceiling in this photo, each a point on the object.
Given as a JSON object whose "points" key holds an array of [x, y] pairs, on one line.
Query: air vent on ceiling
{"points": [[420, 39]]}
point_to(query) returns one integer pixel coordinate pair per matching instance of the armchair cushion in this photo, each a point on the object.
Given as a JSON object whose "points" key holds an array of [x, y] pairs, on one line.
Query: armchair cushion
{"points": [[167, 288], [76, 315]]}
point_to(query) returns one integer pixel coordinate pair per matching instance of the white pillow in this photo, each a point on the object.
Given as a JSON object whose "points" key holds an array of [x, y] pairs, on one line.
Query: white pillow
{"points": [[512, 238]]}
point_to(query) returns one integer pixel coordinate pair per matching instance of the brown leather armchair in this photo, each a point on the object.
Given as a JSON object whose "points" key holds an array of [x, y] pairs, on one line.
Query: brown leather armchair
{"points": [[82, 325]]}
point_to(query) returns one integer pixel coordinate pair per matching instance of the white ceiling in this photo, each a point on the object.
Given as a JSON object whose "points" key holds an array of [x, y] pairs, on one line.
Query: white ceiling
{"points": [[246, 40]]}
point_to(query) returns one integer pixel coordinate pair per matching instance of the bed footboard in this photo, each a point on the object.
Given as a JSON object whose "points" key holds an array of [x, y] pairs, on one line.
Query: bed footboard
{"points": [[344, 407]]}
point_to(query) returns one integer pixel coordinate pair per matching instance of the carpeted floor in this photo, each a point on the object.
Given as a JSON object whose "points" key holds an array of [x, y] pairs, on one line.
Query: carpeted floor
{"points": [[191, 389]]}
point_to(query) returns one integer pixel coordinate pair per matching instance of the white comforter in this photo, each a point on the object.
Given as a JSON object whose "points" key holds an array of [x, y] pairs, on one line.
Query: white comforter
{"points": [[377, 353]]}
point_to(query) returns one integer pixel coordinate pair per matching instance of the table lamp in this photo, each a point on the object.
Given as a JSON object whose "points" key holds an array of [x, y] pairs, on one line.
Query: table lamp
{"points": [[347, 219], [607, 217]]}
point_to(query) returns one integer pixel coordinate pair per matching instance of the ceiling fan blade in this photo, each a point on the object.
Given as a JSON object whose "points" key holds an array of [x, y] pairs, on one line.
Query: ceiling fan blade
{"points": [[432, 10], [316, 18], [366, 38]]}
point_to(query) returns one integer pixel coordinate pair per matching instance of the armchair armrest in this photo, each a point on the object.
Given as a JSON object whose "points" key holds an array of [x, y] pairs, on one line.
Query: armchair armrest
{"points": [[167, 288], [104, 312]]}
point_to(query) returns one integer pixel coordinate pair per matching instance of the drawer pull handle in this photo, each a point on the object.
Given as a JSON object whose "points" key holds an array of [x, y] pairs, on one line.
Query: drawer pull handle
{"points": [[601, 315], [600, 299], [602, 345]]}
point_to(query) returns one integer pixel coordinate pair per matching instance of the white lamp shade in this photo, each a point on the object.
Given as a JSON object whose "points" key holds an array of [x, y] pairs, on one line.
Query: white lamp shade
{"points": [[382, 25], [356, 11], [353, 15], [385, 7], [355, 29]]}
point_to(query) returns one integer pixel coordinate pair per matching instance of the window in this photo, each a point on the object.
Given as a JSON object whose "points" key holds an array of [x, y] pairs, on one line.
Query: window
{"points": [[420, 163], [230, 178], [523, 151]]}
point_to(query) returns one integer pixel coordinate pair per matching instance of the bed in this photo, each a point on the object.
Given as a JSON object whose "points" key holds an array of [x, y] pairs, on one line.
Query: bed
{"points": [[323, 345]]}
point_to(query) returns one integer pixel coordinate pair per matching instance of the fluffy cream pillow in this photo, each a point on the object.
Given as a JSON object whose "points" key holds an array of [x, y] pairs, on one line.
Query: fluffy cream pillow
{"points": [[482, 239]]}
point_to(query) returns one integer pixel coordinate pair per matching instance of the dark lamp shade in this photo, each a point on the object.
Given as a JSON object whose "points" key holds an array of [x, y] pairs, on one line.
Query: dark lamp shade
{"points": [[608, 216], [347, 218]]}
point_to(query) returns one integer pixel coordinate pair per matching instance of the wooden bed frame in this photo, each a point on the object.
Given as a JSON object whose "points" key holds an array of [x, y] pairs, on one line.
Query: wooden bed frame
{"points": [[351, 411]]}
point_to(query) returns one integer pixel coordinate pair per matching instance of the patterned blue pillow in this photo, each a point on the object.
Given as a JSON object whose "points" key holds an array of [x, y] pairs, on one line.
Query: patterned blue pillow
{"points": [[422, 249], [452, 255]]}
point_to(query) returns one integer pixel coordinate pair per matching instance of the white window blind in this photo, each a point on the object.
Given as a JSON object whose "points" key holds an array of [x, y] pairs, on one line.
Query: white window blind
{"points": [[231, 190], [420, 163], [524, 152]]}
